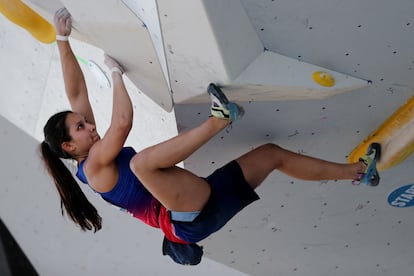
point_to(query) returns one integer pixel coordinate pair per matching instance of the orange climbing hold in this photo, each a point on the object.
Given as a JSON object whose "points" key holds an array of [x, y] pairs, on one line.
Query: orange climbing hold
{"points": [[22, 15]]}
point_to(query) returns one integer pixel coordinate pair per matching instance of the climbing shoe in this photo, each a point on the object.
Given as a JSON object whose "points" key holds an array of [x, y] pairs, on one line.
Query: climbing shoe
{"points": [[370, 176], [221, 107]]}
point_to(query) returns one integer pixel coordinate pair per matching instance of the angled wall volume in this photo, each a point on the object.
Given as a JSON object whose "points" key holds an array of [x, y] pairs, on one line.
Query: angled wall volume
{"points": [[273, 77], [167, 48], [217, 42], [113, 27]]}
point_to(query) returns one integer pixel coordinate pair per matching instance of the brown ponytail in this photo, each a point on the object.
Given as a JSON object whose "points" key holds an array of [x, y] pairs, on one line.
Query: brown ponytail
{"points": [[72, 199]]}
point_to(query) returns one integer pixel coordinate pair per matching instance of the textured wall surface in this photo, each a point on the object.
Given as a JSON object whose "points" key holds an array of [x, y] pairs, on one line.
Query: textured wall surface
{"points": [[297, 228]]}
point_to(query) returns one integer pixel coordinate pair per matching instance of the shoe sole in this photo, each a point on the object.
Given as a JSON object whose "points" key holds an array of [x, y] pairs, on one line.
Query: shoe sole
{"points": [[216, 92]]}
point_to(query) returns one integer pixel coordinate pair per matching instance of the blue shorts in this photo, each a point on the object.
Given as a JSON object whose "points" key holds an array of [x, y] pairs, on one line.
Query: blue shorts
{"points": [[230, 193]]}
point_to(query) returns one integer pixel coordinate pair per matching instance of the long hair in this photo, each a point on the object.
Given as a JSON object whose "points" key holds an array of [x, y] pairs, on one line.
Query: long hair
{"points": [[72, 199]]}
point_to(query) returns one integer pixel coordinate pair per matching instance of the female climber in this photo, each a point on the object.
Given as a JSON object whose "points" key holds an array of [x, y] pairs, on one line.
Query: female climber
{"points": [[148, 184]]}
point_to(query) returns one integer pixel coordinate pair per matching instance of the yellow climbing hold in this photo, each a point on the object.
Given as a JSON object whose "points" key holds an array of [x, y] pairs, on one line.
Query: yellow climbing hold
{"points": [[323, 78], [396, 136], [22, 15]]}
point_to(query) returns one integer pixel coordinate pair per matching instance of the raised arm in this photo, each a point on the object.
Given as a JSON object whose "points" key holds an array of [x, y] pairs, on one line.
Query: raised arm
{"points": [[100, 166], [75, 84], [122, 114]]}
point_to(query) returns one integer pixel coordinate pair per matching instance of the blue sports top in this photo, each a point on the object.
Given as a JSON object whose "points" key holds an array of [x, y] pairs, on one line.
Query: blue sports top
{"points": [[128, 193]]}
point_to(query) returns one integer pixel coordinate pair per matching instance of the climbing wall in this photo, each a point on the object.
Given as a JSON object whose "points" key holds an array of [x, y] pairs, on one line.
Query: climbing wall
{"points": [[297, 228], [333, 227]]}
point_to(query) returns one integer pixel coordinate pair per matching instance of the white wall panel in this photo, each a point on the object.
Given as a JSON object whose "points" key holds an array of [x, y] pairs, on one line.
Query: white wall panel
{"points": [[297, 228]]}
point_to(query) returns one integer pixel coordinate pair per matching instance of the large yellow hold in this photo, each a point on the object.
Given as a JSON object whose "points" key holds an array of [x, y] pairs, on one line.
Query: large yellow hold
{"points": [[396, 136], [22, 15]]}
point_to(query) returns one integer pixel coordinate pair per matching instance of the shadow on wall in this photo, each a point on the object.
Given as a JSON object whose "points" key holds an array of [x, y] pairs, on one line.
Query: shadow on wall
{"points": [[13, 261]]}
